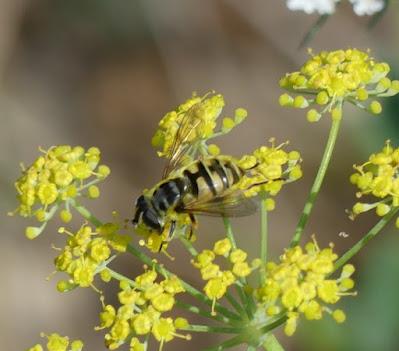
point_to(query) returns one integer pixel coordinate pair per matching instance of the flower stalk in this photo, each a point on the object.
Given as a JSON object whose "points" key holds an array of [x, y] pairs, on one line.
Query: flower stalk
{"points": [[315, 189]]}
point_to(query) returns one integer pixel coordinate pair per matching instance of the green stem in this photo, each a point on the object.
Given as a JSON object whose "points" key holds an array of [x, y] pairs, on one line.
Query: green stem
{"points": [[271, 326], [263, 236], [272, 344], [313, 30], [251, 348], [121, 277], [229, 232], [237, 340], [85, 213], [189, 246], [314, 191], [203, 313], [212, 329], [233, 302], [363, 241]]}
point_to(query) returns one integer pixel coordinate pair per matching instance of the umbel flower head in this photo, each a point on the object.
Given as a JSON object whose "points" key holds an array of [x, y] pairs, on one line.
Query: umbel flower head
{"points": [[144, 303], [378, 178], [330, 78], [300, 285], [60, 175], [87, 253], [217, 279], [56, 342]]}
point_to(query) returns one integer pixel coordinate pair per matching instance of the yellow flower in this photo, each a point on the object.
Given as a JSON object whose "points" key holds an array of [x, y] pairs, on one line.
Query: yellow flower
{"points": [[330, 78]]}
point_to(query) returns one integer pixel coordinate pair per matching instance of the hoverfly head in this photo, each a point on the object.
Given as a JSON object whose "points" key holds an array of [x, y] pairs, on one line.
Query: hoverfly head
{"points": [[146, 215]]}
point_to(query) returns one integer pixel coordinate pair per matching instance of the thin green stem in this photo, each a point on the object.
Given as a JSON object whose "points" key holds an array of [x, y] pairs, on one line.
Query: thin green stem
{"points": [[121, 277], [271, 344], [263, 235], [233, 302], [212, 329], [271, 326], [363, 241], [229, 231], [313, 30], [314, 191], [85, 213], [203, 313], [189, 246], [237, 340], [251, 348]]}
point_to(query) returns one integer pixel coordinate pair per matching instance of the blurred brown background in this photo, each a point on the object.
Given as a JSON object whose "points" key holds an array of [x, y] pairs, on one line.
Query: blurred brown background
{"points": [[104, 72]]}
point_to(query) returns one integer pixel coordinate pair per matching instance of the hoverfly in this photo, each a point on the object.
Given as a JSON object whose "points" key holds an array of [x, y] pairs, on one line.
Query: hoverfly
{"points": [[203, 186]]}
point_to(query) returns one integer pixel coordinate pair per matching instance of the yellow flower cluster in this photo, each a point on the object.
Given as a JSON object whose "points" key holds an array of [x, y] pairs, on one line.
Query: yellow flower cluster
{"points": [[332, 77], [60, 174], [86, 254], [219, 280], [58, 343], [378, 177], [299, 284], [268, 169], [195, 120], [143, 303]]}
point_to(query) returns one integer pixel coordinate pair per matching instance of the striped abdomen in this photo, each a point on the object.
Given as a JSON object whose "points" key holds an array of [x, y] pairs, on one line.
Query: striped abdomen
{"points": [[202, 180]]}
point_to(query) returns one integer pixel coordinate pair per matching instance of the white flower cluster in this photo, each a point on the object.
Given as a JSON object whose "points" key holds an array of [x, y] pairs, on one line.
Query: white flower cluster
{"points": [[327, 7]]}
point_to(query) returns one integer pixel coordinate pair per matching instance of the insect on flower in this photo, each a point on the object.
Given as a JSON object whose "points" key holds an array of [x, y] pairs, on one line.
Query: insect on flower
{"points": [[193, 183]]}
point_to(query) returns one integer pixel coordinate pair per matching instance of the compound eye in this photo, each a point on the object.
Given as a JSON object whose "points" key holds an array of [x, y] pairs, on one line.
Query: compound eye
{"points": [[140, 202]]}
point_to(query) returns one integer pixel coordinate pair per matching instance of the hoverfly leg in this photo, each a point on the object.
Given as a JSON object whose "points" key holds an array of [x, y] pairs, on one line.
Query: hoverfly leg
{"points": [[194, 225], [163, 243], [169, 236], [171, 230]]}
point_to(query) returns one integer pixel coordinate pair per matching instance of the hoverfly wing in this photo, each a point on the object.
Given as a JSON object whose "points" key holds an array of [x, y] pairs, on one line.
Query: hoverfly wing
{"points": [[182, 141], [232, 204]]}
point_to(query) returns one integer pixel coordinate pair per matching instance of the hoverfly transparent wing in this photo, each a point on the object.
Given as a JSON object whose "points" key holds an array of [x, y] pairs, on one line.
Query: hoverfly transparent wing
{"points": [[183, 141], [232, 204]]}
